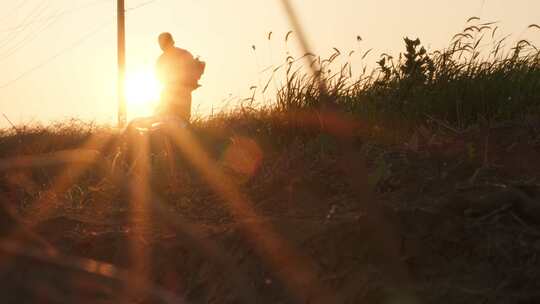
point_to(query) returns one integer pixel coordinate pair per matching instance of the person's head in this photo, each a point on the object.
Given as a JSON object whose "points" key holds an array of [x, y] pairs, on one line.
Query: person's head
{"points": [[166, 41]]}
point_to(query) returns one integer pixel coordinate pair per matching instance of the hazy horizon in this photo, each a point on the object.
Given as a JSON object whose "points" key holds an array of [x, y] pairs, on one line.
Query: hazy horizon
{"points": [[66, 50]]}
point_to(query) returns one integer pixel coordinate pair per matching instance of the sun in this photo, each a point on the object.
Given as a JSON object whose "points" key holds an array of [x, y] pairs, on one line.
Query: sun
{"points": [[142, 91]]}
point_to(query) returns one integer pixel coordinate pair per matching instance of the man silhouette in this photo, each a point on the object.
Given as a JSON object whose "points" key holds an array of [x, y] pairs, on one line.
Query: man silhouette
{"points": [[179, 73]]}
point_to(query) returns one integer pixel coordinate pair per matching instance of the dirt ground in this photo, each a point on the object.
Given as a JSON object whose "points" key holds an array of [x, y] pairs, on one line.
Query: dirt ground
{"points": [[451, 219]]}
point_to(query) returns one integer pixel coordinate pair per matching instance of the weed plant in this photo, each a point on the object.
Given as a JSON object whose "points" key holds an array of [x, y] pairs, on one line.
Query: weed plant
{"points": [[476, 79]]}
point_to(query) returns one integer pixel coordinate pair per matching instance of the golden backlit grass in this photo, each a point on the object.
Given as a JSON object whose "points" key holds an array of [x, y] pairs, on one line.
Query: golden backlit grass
{"points": [[322, 116]]}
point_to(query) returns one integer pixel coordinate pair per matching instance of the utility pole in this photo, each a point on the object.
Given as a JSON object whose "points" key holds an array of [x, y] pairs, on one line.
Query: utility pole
{"points": [[122, 115]]}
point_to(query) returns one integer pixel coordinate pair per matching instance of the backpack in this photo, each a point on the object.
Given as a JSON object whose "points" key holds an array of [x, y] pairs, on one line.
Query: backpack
{"points": [[198, 70]]}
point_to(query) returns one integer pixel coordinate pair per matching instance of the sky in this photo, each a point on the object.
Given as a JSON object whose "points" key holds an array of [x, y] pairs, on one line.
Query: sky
{"points": [[58, 57]]}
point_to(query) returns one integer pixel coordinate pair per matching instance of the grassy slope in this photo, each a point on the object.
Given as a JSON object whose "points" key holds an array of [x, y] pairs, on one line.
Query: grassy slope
{"points": [[444, 210]]}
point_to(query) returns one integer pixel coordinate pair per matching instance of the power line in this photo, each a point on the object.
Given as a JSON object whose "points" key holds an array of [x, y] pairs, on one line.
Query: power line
{"points": [[140, 5], [27, 39], [75, 9], [34, 14], [15, 9], [50, 21], [58, 54], [75, 44]]}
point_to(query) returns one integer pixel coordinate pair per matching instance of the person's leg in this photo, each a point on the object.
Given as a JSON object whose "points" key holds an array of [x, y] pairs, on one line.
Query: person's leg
{"points": [[184, 105], [165, 100], [187, 107]]}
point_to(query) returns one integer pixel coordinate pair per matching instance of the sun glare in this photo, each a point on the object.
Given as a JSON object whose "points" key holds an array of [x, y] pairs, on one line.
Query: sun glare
{"points": [[142, 91]]}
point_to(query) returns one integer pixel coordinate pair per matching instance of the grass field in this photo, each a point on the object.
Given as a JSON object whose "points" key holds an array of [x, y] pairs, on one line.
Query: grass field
{"points": [[415, 183]]}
